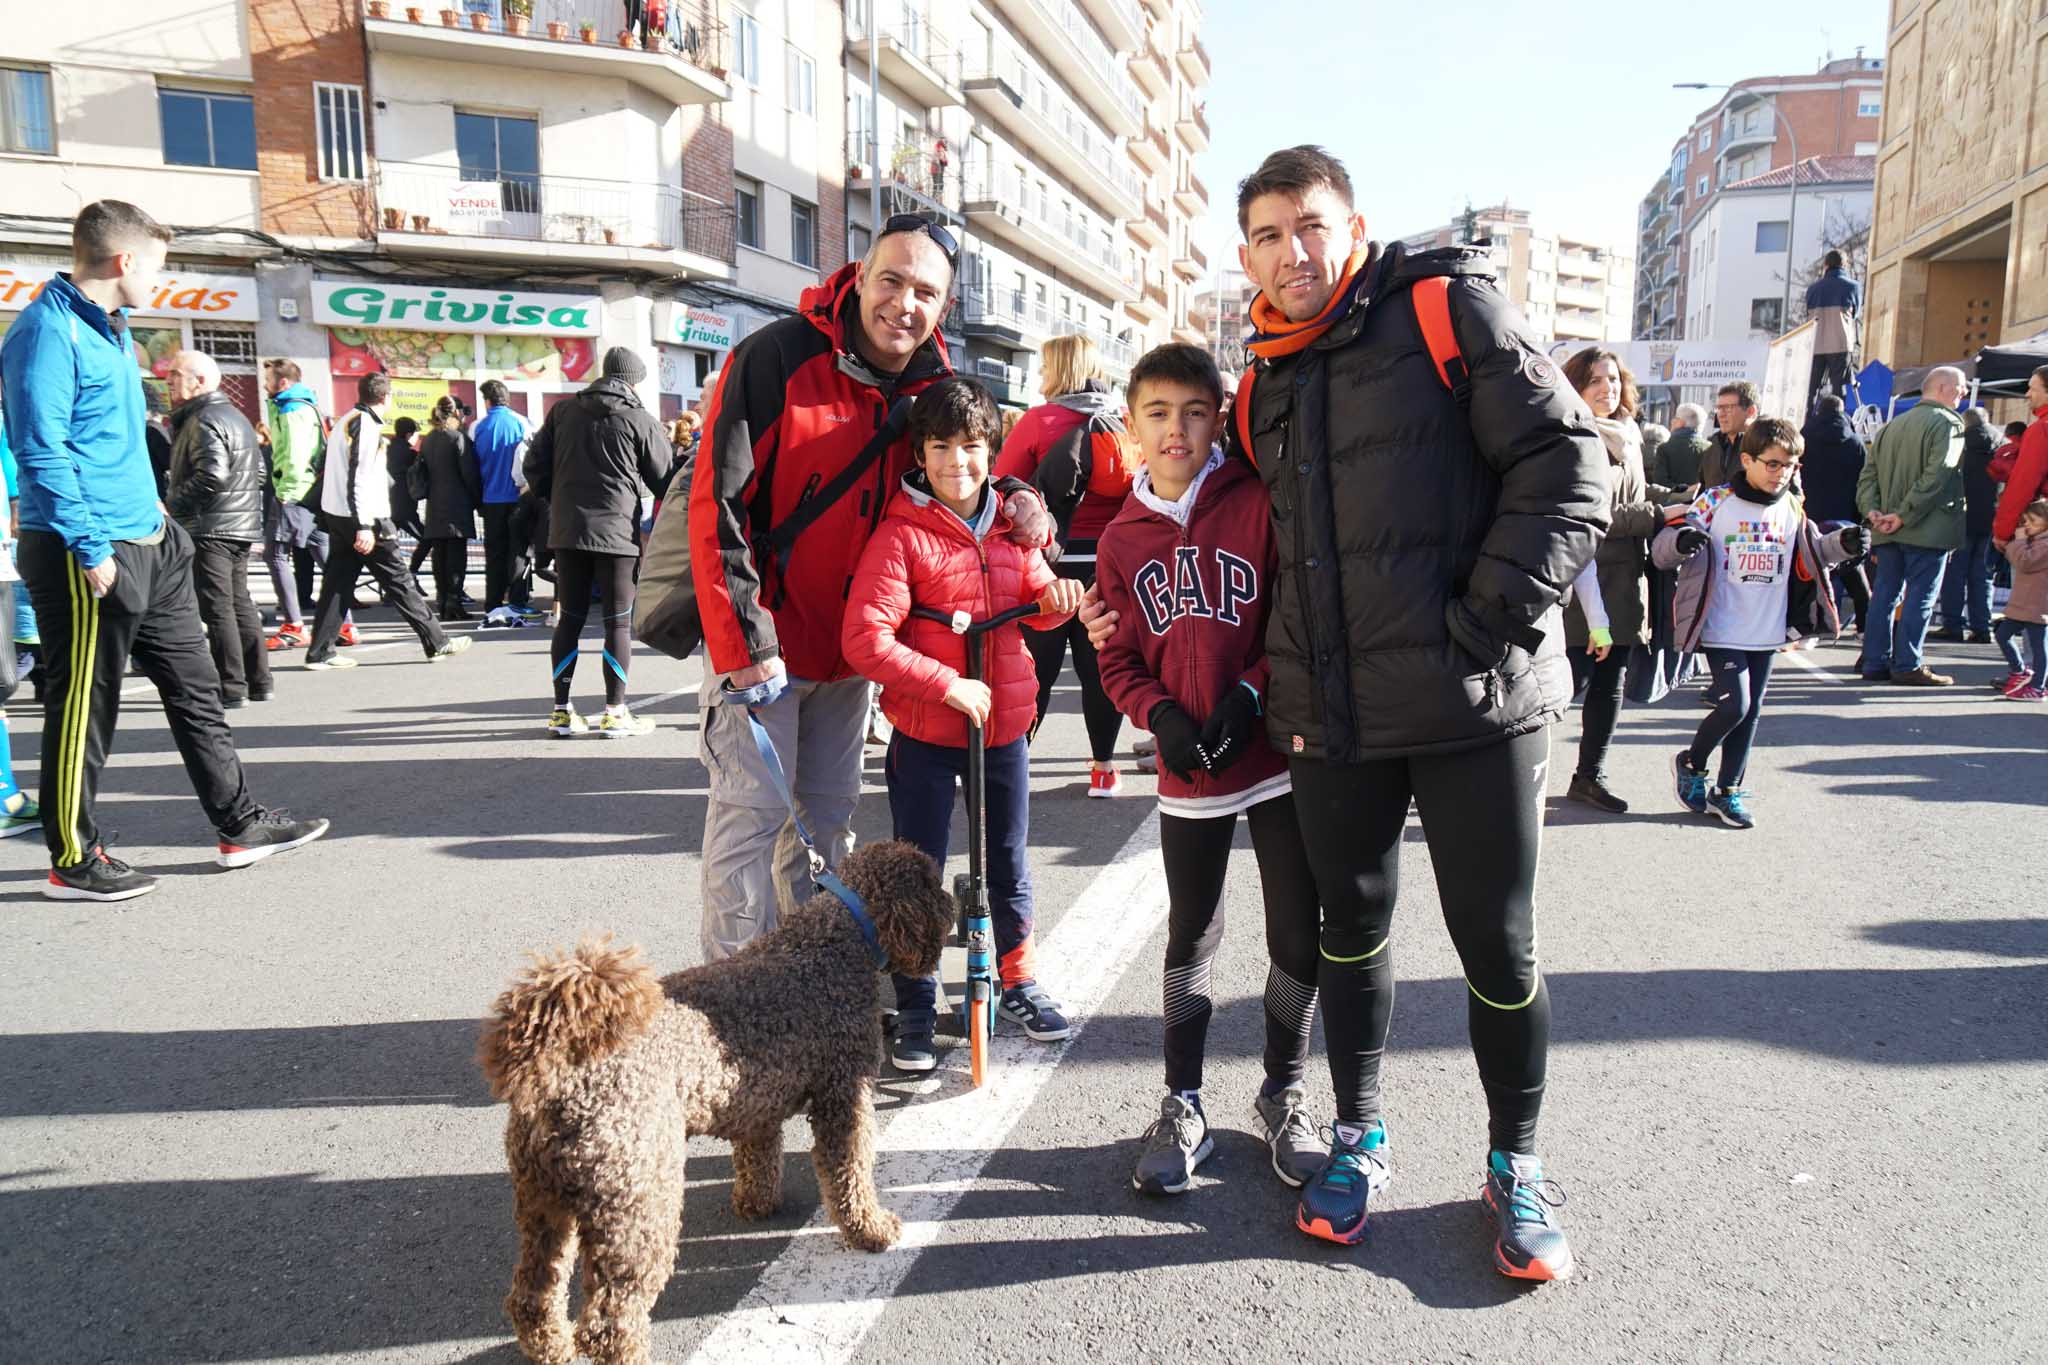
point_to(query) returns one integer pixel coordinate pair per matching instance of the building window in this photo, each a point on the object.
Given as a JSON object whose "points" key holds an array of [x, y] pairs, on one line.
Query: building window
{"points": [[1869, 106], [202, 128], [803, 233], [858, 239], [1771, 238], [1706, 137], [338, 121], [507, 150], [1764, 313], [25, 121], [1702, 187], [802, 75], [746, 40], [746, 202]]}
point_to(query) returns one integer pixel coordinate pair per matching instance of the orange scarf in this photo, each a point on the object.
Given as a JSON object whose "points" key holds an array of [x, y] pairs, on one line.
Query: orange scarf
{"points": [[1276, 336]]}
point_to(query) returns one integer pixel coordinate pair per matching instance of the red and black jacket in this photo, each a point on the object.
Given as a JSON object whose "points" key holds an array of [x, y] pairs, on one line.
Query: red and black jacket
{"points": [[793, 407]]}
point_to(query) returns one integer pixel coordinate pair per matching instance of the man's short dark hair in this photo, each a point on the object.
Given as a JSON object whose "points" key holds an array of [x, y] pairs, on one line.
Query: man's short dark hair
{"points": [[1176, 363], [1834, 260], [1743, 391], [495, 393], [287, 368], [2040, 373], [373, 389], [1295, 171], [954, 410], [1828, 405], [1766, 432], [106, 228]]}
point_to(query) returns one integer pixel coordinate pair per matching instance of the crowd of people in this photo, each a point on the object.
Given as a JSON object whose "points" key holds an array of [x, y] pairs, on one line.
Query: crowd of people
{"points": [[1369, 574]]}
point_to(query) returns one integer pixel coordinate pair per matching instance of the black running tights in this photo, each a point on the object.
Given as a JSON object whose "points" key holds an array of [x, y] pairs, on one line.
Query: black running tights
{"points": [[1197, 854], [1602, 681], [575, 573], [1736, 680], [1482, 814], [1048, 653]]}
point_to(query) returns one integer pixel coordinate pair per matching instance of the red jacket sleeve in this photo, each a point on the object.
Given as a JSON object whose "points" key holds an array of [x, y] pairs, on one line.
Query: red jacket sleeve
{"points": [[1126, 678], [877, 605], [2029, 473], [742, 421], [1019, 456]]}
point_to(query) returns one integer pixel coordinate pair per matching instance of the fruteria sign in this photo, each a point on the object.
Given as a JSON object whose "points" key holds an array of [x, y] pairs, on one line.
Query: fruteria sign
{"points": [[178, 293], [699, 327], [427, 308]]}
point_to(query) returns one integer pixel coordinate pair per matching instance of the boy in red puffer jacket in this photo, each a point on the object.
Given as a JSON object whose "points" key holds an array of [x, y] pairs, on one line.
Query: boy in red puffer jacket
{"points": [[944, 545], [1190, 567]]}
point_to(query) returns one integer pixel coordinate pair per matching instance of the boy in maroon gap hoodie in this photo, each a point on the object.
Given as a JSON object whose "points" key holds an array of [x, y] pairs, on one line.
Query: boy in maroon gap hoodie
{"points": [[1189, 565]]}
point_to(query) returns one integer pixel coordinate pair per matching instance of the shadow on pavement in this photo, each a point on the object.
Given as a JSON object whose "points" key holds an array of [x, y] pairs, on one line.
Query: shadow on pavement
{"points": [[1991, 937]]}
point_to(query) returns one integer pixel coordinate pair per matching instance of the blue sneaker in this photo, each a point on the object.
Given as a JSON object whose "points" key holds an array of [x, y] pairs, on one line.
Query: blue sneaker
{"points": [[1334, 1204], [1691, 782], [1732, 805], [1528, 1244]]}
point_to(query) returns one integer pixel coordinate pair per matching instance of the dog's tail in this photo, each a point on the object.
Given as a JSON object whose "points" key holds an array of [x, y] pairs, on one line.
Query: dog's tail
{"points": [[564, 1013]]}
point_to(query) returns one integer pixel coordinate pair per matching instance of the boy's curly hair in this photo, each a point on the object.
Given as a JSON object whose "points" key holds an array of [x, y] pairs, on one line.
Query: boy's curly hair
{"points": [[1766, 432], [955, 409]]}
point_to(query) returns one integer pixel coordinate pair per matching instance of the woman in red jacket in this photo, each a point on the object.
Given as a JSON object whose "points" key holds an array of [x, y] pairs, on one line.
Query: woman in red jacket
{"points": [[1051, 448], [944, 545]]}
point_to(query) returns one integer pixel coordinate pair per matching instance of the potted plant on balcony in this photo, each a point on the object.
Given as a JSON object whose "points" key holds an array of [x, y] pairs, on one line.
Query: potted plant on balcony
{"points": [[415, 14], [588, 30], [394, 220], [451, 18], [518, 16], [379, 9], [480, 21]]}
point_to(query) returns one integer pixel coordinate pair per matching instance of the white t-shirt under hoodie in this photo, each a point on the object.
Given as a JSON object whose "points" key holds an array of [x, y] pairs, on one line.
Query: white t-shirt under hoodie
{"points": [[1753, 568]]}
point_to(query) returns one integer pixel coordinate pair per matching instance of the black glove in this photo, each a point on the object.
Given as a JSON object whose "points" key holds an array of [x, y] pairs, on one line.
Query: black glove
{"points": [[1180, 742], [1855, 540], [1230, 728], [1691, 541]]}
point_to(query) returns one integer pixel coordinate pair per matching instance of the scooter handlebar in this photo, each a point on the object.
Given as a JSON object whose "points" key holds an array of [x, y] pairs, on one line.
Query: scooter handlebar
{"points": [[960, 624]]}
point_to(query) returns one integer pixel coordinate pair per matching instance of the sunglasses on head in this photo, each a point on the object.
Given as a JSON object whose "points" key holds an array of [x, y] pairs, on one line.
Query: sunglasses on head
{"points": [[911, 222]]}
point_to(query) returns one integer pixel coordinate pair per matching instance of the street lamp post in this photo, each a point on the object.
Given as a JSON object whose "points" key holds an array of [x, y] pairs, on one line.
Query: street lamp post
{"points": [[1792, 209]]}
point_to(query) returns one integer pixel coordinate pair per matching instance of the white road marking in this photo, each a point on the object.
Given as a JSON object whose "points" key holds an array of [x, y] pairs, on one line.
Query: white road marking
{"points": [[818, 1299], [1799, 658]]}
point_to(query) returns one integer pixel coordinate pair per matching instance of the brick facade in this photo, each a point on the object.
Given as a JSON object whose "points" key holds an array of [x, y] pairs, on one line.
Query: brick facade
{"points": [[293, 44], [831, 122]]}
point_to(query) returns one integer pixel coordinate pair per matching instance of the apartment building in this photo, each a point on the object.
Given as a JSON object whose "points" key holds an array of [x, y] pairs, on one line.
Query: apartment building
{"points": [[1760, 124], [1221, 312], [1739, 247], [1568, 285]]}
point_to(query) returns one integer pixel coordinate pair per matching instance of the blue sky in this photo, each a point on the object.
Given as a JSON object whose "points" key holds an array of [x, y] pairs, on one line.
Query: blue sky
{"points": [[1567, 112]]}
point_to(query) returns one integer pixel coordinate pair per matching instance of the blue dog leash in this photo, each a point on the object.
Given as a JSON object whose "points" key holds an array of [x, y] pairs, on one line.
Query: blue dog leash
{"points": [[765, 694]]}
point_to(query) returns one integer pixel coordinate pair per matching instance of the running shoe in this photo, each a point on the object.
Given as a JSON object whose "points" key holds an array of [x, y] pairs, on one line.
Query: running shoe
{"points": [[910, 1046], [1593, 791], [1528, 1244], [1176, 1143], [1297, 1152], [348, 633], [564, 723], [1028, 1006], [22, 818], [270, 833], [1104, 782], [288, 636], [623, 724], [2013, 680], [456, 644], [1732, 805], [1335, 1203], [2027, 693], [332, 661], [1690, 782], [101, 877]]}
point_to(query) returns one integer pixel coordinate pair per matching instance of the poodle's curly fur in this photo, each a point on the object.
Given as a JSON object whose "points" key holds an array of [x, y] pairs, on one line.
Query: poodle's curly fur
{"points": [[607, 1071]]}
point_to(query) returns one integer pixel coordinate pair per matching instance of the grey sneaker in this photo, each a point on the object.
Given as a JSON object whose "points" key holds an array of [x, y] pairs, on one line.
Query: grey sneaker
{"points": [[1176, 1143], [1298, 1153]]}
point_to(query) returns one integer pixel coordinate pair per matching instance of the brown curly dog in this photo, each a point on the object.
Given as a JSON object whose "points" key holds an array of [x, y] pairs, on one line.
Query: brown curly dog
{"points": [[608, 1070]]}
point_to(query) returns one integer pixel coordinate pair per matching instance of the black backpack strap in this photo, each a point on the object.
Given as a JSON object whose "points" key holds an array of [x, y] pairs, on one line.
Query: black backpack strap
{"points": [[779, 538]]}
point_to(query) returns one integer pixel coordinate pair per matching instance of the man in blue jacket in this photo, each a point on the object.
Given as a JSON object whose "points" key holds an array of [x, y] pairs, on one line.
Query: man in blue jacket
{"points": [[110, 574], [501, 436], [1832, 301]]}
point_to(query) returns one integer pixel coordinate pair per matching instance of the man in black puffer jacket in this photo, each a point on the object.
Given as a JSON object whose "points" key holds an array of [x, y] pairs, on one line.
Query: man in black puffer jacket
{"points": [[594, 457], [214, 489]]}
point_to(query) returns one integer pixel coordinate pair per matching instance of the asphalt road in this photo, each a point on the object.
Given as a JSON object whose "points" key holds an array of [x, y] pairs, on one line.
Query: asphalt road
{"points": [[1797, 1090]]}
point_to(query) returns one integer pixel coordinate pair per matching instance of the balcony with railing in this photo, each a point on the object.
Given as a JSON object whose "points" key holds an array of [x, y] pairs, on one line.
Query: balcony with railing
{"points": [[1006, 314], [919, 59], [1190, 195], [1075, 244], [1192, 263], [1031, 110], [1148, 302], [448, 210], [1150, 228], [1193, 127], [684, 61], [915, 178], [1117, 355], [1005, 381], [1064, 35], [1193, 59], [1121, 22], [1148, 62], [1152, 150]]}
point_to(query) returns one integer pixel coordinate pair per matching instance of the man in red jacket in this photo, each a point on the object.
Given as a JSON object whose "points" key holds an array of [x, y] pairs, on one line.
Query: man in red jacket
{"points": [[2029, 477], [802, 445]]}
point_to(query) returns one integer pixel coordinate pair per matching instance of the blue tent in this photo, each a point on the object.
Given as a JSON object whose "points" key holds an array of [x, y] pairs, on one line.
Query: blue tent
{"points": [[1874, 385]]}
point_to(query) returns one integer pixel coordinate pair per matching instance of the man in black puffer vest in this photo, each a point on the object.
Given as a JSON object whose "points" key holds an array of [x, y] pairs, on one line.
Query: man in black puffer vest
{"points": [[214, 490]]}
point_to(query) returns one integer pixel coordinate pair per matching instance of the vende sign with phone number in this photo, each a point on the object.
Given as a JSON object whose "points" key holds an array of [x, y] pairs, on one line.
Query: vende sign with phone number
{"points": [[178, 293], [430, 308]]}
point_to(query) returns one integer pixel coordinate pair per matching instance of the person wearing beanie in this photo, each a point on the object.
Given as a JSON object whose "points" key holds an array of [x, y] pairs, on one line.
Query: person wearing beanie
{"points": [[593, 459]]}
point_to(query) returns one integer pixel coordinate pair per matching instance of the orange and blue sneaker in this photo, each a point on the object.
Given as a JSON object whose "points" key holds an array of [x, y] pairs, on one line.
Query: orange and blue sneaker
{"points": [[1334, 1204], [1528, 1244]]}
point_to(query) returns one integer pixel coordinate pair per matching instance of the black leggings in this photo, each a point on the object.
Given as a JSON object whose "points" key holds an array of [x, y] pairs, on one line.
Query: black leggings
{"points": [[449, 554], [1482, 813], [1048, 653], [1736, 679], [575, 572], [1197, 854], [1601, 679]]}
